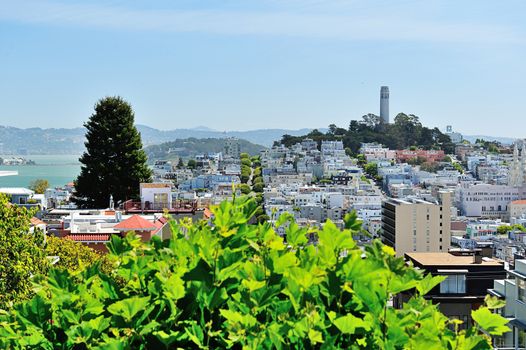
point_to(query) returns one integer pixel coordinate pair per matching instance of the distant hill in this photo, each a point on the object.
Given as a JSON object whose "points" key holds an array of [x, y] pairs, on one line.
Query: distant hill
{"points": [[503, 140], [190, 147], [263, 137], [41, 141], [71, 141]]}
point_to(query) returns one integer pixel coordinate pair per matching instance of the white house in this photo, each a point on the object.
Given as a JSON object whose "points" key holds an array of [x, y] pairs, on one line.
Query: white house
{"points": [[156, 196]]}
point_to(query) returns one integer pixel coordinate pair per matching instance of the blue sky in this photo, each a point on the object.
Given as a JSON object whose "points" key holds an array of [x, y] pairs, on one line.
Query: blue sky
{"points": [[246, 64]]}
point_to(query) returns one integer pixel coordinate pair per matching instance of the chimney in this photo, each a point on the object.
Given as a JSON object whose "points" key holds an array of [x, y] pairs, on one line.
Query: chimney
{"points": [[487, 252], [477, 256]]}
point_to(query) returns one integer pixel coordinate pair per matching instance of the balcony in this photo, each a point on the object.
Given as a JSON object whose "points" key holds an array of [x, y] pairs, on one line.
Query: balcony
{"points": [[176, 207]]}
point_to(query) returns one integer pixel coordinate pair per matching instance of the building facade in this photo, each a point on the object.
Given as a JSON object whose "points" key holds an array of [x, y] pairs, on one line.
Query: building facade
{"points": [[415, 225], [469, 274]]}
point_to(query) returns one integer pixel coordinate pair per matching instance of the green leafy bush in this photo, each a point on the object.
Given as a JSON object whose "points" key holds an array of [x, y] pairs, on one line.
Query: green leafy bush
{"points": [[231, 284], [21, 253], [74, 256]]}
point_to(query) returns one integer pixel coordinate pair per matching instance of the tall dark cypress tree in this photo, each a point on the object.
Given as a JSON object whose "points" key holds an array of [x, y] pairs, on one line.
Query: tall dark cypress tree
{"points": [[114, 162]]}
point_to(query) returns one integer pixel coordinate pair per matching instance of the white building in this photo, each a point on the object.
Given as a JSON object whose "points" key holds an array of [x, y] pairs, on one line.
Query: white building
{"points": [[156, 196], [374, 152], [485, 200]]}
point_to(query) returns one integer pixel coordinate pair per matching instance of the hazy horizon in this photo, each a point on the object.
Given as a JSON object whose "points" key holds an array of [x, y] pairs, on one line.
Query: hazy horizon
{"points": [[245, 65]]}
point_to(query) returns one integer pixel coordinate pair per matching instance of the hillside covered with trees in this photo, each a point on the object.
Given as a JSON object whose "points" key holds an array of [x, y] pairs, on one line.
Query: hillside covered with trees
{"points": [[406, 131], [186, 148]]}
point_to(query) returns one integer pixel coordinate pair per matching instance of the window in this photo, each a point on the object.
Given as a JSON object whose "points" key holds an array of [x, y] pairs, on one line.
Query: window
{"points": [[453, 284], [521, 284]]}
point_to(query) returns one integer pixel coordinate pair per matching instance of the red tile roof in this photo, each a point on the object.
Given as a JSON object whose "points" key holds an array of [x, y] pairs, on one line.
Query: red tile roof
{"points": [[158, 225], [89, 237], [520, 201], [135, 223], [36, 221]]}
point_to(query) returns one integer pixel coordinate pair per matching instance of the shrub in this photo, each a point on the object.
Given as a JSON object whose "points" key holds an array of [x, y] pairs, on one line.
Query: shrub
{"points": [[245, 189], [74, 256], [230, 284], [39, 186], [246, 162], [258, 187], [21, 253]]}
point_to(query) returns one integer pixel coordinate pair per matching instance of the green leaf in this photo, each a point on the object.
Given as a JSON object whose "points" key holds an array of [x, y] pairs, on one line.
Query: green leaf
{"points": [[128, 308], [429, 282], [253, 285], [71, 316], [296, 236], [352, 222], [492, 323], [347, 324], [315, 336], [284, 262], [168, 339], [494, 302]]}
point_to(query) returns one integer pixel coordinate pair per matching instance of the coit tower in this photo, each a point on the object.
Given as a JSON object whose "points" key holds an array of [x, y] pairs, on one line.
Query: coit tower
{"points": [[384, 104]]}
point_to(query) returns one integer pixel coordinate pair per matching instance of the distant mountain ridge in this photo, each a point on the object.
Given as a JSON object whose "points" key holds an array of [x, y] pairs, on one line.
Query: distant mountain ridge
{"points": [[190, 147], [503, 140], [71, 141]]}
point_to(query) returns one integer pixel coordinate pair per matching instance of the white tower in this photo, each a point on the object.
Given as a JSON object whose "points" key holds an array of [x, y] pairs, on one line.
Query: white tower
{"points": [[517, 170], [384, 104]]}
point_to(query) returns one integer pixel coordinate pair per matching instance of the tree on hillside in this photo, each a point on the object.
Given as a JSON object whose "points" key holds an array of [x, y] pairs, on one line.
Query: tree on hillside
{"points": [[371, 169], [192, 164], [21, 253], [180, 163], [114, 162], [39, 185]]}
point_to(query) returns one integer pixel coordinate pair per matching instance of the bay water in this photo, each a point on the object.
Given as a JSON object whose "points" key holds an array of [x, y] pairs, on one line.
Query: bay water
{"points": [[57, 169]]}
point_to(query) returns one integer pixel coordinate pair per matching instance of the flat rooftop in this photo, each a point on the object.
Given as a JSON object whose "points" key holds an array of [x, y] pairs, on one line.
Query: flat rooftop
{"points": [[446, 259]]}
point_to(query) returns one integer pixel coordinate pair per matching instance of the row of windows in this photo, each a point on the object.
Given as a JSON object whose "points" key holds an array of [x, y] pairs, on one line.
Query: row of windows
{"points": [[492, 208], [487, 199]]}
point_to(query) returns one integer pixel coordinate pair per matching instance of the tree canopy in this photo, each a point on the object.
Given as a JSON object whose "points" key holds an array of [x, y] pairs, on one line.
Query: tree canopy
{"points": [[39, 185], [74, 256], [406, 131], [21, 253], [114, 162], [231, 284]]}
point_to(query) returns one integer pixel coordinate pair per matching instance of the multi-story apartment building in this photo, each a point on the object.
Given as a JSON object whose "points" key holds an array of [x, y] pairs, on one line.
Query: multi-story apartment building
{"points": [[517, 208], [469, 274], [374, 152], [232, 148], [416, 225], [485, 200], [429, 155], [513, 291]]}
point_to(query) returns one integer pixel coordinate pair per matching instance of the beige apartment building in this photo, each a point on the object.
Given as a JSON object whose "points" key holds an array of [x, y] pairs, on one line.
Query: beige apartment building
{"points": [[416, 225], [517, 208]]}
